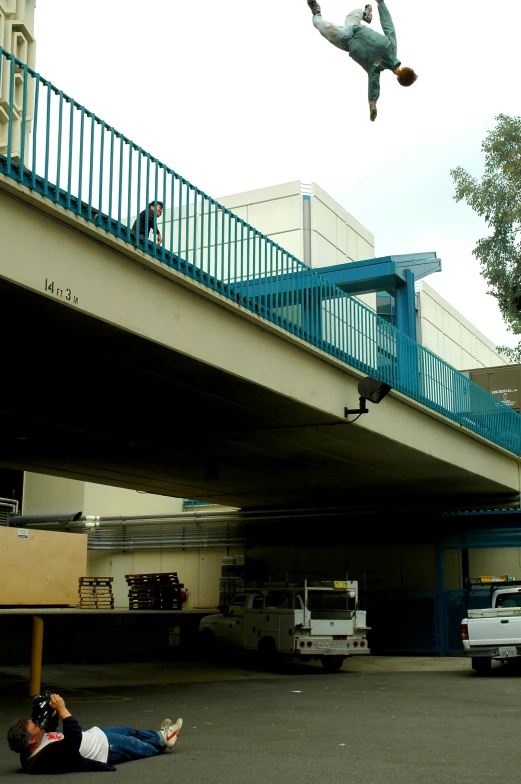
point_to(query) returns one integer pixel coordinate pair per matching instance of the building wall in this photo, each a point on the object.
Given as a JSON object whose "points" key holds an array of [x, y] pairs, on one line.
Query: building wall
{"points": [[44, 494], [502, 560], [275, 211], [53, 495], [448, 334], [199, 569], [336, 237], [504, 383], [376, 567], [16, 37]]}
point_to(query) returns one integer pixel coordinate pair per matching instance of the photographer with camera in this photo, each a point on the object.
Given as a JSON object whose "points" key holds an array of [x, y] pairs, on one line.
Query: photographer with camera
{"points": [[44, 750]]}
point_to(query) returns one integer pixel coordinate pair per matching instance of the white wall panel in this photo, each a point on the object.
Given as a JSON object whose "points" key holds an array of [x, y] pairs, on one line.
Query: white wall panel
{"points": [[275, 217], [459, 342]]}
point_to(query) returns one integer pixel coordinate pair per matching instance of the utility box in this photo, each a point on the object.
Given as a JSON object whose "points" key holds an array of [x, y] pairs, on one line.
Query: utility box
{"points": [[503, 382], [40, 568]]}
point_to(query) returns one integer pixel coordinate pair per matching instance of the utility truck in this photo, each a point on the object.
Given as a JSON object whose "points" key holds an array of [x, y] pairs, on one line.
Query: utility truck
{"points": [[310, 620], [495, 631]]}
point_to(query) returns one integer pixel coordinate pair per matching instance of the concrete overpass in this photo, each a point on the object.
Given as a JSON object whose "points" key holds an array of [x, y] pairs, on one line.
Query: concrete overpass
{"points": [[150, 367]]}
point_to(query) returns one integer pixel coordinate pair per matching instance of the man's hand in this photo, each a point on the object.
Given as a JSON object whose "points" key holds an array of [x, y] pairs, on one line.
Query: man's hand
{"points": [[159, 238], [373, 112], [58, 704]]}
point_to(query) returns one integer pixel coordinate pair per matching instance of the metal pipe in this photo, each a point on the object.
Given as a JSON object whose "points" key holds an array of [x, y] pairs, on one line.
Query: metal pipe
{"points": [[184, 519], [12, 504], [216, 513], [36, 519], [35, 679]]}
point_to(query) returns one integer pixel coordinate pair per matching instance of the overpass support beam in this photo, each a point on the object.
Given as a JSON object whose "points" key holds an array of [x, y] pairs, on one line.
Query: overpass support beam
{"points": [[440, 613], [35, 677]]}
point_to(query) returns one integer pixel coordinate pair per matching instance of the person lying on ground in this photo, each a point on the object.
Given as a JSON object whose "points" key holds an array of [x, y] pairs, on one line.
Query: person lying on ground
{"points": [[96, 749]]}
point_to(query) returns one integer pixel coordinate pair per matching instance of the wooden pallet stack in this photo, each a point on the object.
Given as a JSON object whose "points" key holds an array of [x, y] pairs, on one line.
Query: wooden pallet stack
{"points": [[156, 591], [96, 593]]}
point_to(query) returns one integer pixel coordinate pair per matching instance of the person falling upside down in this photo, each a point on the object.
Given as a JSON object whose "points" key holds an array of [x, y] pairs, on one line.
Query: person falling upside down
{"points": [[373, 51]]}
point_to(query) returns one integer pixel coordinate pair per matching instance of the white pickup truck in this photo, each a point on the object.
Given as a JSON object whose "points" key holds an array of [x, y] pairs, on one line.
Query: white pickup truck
{"points": [[313, 620], [494, 632]]}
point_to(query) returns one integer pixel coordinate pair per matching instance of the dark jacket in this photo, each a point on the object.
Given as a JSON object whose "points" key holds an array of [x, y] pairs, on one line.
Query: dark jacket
{"points": [[375, 52], [141, 222], [63, 756]]}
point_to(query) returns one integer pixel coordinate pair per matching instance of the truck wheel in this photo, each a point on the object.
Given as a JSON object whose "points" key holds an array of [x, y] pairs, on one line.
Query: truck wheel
{"points": [[268, 652], [332, 663], [481, 666]]}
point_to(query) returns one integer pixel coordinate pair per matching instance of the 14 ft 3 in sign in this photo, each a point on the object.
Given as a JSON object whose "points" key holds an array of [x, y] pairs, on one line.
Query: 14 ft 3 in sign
{"points": [[62, 293]]}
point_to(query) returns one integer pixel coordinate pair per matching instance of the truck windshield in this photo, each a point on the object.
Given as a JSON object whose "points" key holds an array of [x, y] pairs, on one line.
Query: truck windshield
{"points": [[508, 600], [281, 599]]}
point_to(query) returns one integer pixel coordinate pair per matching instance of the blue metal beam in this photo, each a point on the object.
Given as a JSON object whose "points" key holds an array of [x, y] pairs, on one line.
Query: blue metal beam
{"points": [[385, 273]]}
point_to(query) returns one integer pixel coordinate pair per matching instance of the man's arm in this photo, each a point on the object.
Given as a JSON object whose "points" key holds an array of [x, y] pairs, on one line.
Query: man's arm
{"points": [[58, 703], [374, 84], [387, 23], [72, 733]]}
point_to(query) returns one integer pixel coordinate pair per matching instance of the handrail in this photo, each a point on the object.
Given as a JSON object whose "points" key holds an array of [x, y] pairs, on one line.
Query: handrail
{"points": [[56, 147]]}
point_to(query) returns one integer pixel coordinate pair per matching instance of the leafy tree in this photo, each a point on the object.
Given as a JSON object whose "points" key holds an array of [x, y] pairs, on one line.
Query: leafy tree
{"points": [[497, 198]]}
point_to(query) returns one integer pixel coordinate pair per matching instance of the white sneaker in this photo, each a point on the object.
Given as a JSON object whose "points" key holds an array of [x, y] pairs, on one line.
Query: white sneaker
{"points": [[368, 14], [171, 732]]}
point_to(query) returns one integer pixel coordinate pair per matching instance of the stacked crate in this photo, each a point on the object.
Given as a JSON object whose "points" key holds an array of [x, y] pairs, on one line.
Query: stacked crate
{"points": [[96, 593], [157, 591]]}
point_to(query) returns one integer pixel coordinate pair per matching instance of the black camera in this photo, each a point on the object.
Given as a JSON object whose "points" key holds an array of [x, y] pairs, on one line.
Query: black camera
{"points": [[42, 714]]}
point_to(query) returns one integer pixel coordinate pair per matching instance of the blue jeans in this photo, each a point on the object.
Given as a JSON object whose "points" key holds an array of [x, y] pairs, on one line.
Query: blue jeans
{"points": [[126, 744], [335, 34]]}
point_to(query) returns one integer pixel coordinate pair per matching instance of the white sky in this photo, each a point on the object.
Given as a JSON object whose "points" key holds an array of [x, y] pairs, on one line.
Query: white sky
{"points": [[241, 94]]}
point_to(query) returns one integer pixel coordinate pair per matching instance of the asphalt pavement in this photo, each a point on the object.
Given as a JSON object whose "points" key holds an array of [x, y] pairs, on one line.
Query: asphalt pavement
{"points": [[427, 721]]}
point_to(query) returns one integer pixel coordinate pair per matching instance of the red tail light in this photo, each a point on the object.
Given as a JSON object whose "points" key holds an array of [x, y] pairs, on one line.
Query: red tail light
{"points": [[464, 631]]}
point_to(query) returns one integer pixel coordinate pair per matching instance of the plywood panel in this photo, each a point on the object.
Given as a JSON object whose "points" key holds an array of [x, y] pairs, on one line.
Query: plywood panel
{"points": [[41, 567]]}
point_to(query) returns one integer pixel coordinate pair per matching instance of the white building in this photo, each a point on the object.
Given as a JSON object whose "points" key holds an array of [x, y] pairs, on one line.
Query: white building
{"points": [[17, 38], [450, 335]]}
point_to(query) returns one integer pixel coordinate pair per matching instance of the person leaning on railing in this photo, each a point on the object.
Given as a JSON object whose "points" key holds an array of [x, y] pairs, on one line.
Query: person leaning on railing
{"points": [[75, 749], [147, 222]]}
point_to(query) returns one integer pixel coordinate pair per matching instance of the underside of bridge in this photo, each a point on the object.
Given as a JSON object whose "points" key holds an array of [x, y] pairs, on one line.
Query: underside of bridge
{"points": [[85, 400]]}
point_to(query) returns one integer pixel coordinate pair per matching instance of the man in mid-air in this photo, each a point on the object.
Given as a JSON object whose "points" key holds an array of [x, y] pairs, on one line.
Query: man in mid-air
{"points": [[373, 51]]}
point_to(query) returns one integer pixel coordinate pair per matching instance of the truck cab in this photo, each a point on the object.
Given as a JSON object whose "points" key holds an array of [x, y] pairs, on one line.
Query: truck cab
{"points": [[493, 632]]}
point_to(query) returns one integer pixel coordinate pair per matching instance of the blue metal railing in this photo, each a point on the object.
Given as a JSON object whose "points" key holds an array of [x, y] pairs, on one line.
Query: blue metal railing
{"points": [[54, 146]]}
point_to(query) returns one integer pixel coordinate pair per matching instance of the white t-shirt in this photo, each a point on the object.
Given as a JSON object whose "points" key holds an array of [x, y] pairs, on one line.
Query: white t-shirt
{"points": [[95, 745]]}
